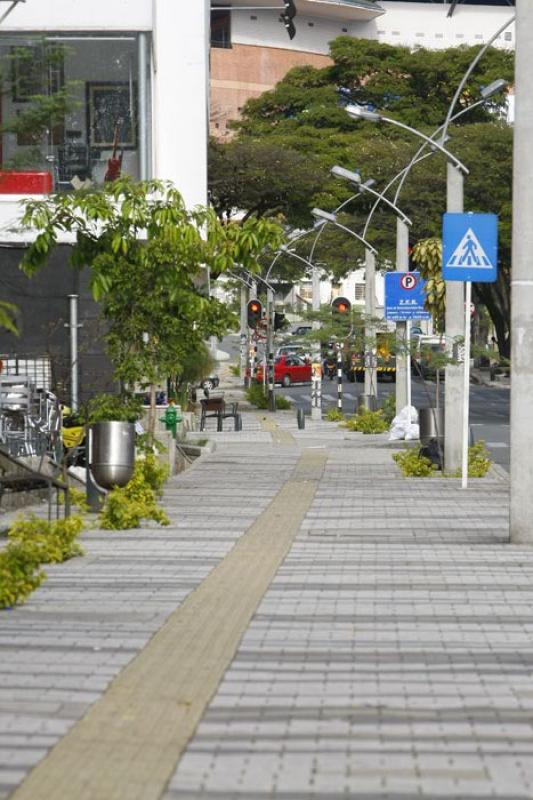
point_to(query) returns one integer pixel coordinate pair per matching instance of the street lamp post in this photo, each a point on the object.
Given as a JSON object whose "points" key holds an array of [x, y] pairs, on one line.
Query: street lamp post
{"points": [[403, 377], [521, 526]]}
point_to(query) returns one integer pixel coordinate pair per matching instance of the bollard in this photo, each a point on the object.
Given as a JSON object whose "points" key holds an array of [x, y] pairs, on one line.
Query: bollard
{"points": [[300, 416], [238, 422]]}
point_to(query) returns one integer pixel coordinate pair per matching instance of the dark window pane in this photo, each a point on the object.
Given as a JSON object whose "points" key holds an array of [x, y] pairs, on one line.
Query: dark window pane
{"points": [[220, 28]]}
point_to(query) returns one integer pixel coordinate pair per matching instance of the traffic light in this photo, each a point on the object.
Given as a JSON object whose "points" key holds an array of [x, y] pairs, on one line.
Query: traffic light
{"points": [[287, 17], [341, 305], [279, 320], [255, 313]]}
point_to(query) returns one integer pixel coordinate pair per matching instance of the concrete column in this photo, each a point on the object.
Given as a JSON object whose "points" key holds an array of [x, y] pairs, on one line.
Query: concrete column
{"points": [[371, 377], [144, 112], [455, 316], [402, 265], [181, 80], [522, 286], [316, 400]]}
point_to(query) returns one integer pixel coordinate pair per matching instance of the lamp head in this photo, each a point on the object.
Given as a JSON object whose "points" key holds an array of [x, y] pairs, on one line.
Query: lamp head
{"points": [[493, 88], [358, 112], [346, 174], [323, 216], [367, 184]]}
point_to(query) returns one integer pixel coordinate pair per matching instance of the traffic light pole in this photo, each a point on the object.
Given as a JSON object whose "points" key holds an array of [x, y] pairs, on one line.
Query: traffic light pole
{"points": [[244, 333], [370, 330]]}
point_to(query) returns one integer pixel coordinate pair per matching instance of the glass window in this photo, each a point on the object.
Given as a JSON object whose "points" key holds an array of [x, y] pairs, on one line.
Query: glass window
{"points": [[69, 106], [220, 28]]}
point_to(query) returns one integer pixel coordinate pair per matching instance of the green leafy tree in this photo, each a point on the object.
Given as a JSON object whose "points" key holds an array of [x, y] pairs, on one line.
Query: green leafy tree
{"points": [[147, 256], [304, 114]]}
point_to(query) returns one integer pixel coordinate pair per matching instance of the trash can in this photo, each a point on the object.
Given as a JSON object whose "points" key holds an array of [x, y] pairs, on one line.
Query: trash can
{"points": [[111, 453], [431, 421]]}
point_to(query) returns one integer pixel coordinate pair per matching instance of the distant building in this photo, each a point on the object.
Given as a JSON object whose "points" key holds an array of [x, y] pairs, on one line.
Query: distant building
{"points": [[251, 52]]}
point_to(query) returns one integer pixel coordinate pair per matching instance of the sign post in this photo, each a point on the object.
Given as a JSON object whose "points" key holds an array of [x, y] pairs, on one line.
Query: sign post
{"points": [[405, 296], [469, 254]]}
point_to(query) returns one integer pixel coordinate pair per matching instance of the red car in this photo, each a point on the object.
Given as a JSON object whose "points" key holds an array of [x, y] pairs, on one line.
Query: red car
{"points": [[289, 369]]}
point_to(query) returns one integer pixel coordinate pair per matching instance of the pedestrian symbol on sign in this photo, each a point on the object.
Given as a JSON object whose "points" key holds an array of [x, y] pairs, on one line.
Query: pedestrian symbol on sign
{"points": [[469, 253]]}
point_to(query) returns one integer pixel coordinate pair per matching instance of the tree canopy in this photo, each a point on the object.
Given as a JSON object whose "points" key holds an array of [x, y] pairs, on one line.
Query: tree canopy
{"points": [[304, 118]]}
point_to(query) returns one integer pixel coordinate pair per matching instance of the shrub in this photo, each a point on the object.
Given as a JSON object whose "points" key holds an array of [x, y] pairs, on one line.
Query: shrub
{"points": [[334, 415], [125, 508], [413, 465], [367, 422], [388, 408], [19, 574], [109, 407], [235, 370], [478, 461], [257, 396], [49, 542]]}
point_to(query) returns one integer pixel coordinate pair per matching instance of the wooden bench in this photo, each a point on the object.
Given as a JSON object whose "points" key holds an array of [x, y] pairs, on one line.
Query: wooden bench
{"points": [[215, 406]]}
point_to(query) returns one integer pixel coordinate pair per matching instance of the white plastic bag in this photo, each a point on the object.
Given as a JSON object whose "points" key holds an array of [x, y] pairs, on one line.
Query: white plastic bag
{"points": [[412, 433], [396, 433]]}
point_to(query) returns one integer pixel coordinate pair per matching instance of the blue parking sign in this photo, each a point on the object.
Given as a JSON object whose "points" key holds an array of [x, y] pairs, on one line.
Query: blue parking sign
{"points": [[470, 247], [405, 296]]}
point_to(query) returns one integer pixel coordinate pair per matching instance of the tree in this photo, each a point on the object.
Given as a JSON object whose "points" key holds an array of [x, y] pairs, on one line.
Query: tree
{"points": [[148, 257], [304, 114]]}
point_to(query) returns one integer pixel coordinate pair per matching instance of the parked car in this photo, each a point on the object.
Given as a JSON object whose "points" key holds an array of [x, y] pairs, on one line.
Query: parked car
{"points": [[289, 369], [210, 383], [301, 330]]}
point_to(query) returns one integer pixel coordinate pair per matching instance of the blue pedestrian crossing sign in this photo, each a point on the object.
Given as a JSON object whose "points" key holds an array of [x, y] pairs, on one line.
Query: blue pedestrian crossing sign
{"points": [[405, 296], [470, 247]]}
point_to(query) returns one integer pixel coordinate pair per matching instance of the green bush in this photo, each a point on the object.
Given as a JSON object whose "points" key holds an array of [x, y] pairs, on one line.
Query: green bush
{"points": [[109, 407], [367, 422], [334, 415], [126, 507], [478, 461], [388, 408], [257, 396], [49, 542], [235, 370], [413, 465], [19, 574]]}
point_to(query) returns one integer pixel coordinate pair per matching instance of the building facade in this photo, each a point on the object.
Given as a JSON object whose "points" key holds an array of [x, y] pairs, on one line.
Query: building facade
{"points": [[251, 52]]}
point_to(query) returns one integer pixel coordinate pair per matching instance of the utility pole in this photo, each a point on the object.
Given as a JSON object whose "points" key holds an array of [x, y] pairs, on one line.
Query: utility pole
{"points": [[521, 523], [371, 388], [402, 265], [454, 326], [316, 400]]}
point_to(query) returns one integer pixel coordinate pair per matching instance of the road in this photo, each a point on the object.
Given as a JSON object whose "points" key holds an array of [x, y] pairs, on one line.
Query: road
{"points": [[489, 407]]}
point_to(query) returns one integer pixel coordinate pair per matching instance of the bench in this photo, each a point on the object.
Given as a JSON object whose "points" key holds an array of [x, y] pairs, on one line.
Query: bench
{"points": [[216, 407]]}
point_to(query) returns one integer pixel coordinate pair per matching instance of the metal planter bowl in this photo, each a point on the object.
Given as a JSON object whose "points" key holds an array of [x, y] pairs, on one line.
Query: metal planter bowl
{"points": [[112, 453]]}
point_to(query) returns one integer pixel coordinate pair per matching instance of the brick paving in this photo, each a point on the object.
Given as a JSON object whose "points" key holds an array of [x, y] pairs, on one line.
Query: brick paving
{"points": [[391, 656]]}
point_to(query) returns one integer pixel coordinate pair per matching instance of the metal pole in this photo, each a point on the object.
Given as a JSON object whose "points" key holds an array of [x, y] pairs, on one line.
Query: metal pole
{"points": [[402, 265], [466, 386], [142, 79], [370, 330], [316, 400], [453, 390], [522, 286], [270, 350], [339, 376], [73, 325]]}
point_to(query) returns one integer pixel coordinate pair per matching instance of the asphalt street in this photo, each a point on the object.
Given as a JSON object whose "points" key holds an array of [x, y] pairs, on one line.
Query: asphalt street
{"points": [[489, 407]]}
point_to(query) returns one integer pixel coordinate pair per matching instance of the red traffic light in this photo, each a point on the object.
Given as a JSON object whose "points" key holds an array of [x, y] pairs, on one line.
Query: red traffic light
{"points": [[341, 305], [255, 313]]}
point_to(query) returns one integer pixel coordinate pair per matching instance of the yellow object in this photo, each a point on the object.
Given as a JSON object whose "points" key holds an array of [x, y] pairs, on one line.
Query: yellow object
{"points": [[72, 437]]}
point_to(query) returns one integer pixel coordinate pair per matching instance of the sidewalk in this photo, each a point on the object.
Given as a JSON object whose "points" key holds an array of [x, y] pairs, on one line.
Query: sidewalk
{"points": [[311, 625]]}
